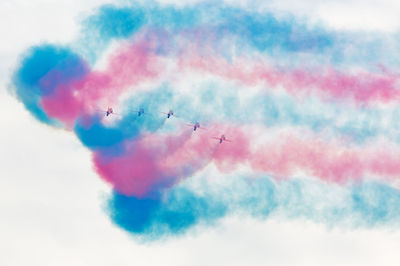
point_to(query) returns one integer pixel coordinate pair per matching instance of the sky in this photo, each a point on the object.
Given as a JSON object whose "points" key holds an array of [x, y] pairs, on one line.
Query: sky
{"points": [[55, 208]]}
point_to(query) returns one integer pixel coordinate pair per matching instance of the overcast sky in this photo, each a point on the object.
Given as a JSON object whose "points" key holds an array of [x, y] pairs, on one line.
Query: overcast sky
{"points": [[51, 199]]}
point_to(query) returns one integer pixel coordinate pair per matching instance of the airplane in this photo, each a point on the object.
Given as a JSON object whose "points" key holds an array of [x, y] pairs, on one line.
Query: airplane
{"points": [[140, 112], [222, 138], [195, 126], [109, 111], [170, 113]]}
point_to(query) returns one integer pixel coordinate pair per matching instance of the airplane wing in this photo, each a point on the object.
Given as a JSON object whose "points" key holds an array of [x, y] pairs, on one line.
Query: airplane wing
{"points": [[118, 114], [105, 112], [171, 114]]}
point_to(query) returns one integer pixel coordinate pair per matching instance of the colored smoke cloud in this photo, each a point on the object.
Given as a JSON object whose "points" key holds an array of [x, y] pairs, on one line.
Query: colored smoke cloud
{"points": [[309, 123]]}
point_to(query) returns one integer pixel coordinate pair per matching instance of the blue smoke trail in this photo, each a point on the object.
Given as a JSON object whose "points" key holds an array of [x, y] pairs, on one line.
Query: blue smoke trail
{"points": [[183, 207]]}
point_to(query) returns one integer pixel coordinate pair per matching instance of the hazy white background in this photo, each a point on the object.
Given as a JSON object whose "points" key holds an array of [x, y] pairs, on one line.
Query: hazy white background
{"points": [[50, 199]]}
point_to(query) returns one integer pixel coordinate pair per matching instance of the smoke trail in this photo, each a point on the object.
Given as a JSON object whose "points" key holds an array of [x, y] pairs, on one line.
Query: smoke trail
{"points": [[184, 207]]}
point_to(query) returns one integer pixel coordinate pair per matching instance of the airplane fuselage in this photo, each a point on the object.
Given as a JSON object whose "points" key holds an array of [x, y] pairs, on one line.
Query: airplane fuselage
{"points": [[109, 111], [141, 112]]}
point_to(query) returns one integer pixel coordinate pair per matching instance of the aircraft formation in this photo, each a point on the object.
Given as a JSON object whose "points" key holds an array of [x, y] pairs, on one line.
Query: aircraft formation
{"points": [[168, 115]]}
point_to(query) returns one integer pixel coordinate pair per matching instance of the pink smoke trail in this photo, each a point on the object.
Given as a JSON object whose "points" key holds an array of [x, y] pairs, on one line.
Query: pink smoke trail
{"points": [[327, 82], [160, 161]]}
